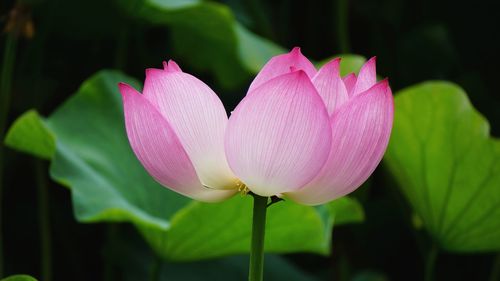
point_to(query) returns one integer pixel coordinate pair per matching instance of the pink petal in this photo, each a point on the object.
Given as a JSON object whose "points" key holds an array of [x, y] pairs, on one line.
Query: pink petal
{"points": [[279, 136], [330, 86], [360, 134], [367, 77], [159, 150], [350, 82], [282, 64], [198, 118], [171, 66]]}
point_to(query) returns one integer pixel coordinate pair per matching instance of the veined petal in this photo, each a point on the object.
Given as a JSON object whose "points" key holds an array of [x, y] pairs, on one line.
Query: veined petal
{"points": [[350, 82], [279, 136], [367, 77], [282, 64], [159, 150], [360, 134], [330, 86], [198, 118]]}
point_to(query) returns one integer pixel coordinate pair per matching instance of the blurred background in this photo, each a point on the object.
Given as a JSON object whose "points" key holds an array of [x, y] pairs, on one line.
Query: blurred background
{"points": [[57, 44]]}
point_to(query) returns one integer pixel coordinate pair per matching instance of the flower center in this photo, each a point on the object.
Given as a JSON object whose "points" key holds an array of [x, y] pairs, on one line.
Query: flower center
{"points": [[236, 184], [242, 188]]}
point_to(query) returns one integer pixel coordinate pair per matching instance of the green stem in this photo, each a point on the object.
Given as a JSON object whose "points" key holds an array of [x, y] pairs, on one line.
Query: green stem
{"points": [[342, 26], [44, 221], [430, 263], [495, 269], [258, 234], [5, 83]]}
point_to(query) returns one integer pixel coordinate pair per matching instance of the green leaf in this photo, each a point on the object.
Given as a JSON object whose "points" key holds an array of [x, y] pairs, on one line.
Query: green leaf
{"points": [[227, 49], [19, 278], [93, 158], [447, 165], [210, 230], [346, 210], [31, 124], [134, 260]]}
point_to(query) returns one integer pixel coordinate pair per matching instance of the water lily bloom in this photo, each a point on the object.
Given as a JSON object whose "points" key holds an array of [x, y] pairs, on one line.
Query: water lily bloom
{"points": [[300, 133]]}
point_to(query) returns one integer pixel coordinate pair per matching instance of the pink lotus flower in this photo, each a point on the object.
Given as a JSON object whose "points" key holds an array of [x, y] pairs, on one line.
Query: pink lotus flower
{"points": [[308, 135]]}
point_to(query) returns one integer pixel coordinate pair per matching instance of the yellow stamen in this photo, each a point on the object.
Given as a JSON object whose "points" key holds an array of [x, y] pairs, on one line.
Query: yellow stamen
{"points": [[236, 184], [242, 188]]}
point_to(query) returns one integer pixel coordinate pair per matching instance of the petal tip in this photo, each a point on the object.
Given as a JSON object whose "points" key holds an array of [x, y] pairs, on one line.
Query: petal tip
{"points": [[295, 51], [381, 87], [125, 89], [333, 64], [369, 66], [385, 82], [372, 62], [280, 64], [351, 75], [171, 66]]}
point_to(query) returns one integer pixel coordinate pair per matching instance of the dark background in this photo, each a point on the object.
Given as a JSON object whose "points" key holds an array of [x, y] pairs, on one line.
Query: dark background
{"points": [[413, 40]]}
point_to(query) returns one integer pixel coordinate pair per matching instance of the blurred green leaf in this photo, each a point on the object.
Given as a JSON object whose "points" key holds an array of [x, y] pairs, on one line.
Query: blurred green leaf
{"points": [[19, 278], [253, 50], [207, 35], [94, 159], [447, 165], [31, 124], [350, 63], [346, 210]]}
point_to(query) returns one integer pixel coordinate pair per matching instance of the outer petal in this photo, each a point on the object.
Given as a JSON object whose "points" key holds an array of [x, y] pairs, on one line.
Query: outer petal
{"points": [[279, 137], [198, 118], [330, 86], [367, 77], [159, 150], [350, 82], [282, 64], [360, 134]]}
